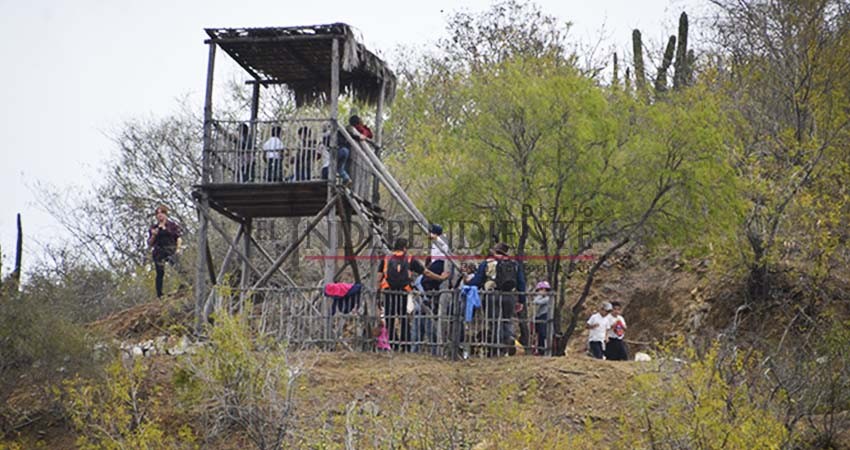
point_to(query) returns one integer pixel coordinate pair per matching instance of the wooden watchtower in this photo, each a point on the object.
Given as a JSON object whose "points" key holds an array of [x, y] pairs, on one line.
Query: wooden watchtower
{"points": [[247, 174]]}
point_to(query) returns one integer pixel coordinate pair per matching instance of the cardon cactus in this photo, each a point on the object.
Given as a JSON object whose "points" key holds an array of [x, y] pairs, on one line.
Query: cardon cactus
{"points": [[661, 79], [637, 48], [681, 77]]}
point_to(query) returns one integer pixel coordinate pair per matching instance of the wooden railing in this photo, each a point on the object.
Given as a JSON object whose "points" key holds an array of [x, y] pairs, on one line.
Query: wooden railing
{"points": [[282, 151], [438, 324]]}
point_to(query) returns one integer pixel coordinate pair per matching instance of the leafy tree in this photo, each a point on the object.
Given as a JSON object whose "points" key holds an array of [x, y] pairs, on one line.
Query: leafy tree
{"points": [[509, 29], [788, 78], [157, 162], [532, 141]]}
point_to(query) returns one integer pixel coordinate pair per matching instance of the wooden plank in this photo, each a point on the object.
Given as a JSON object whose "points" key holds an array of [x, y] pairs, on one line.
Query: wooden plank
{"points": [[279, 201]]}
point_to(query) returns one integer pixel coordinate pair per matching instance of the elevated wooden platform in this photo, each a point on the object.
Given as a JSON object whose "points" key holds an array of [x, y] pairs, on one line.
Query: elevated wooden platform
{"points": [[248, 200], [239, 201]]}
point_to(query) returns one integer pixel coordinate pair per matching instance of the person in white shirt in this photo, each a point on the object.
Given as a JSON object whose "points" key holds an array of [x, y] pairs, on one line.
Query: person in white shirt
{"points": [[615, 348], [272, 148], [598, 326]]}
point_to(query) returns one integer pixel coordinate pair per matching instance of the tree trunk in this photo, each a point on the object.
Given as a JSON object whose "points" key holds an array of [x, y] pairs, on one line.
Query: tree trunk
{"points": [[579, 305]]}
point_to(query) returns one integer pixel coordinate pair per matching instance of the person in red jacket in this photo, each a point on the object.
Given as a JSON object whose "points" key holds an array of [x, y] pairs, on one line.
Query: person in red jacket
{"points": [[359, 131]]}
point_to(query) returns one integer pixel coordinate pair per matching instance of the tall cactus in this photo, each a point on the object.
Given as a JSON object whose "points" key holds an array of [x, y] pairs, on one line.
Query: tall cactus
{"points": [[681, 77], [661, 78], [615, 79], [689, 74], [627, 85], [637, 48]]}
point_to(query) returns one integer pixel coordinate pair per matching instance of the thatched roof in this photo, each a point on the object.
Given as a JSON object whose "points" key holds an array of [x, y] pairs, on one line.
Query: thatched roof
{"points": [[300, 57]]}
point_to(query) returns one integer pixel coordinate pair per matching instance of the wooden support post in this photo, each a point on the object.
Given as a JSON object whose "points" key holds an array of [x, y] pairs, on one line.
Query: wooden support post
{"points": [[255, 103], [206, 170], [246, 275], [203, 204], [200, 275], [330, 262]]}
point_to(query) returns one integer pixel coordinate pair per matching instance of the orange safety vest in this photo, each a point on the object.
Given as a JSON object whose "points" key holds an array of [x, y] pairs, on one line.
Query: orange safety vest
{"points": [[386, 284]]}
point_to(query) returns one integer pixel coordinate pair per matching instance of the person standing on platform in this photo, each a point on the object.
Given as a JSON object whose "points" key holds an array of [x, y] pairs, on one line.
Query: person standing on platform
{"points": [[272, 148]]}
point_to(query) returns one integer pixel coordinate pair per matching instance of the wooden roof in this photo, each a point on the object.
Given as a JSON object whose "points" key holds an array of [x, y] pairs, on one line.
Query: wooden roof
{"points": [[300, 57]]}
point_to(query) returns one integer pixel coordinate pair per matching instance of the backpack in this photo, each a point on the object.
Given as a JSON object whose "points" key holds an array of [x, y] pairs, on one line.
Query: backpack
{"points": [[397, 271], [506, 275]]}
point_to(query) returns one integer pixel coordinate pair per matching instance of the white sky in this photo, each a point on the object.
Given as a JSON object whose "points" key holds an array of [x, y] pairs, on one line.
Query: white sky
{"points": [[73, 71]]}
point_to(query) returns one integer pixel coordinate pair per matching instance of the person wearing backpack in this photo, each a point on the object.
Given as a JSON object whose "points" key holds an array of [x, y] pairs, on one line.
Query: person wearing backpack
{"points": [[396, 278], [501, 277]]}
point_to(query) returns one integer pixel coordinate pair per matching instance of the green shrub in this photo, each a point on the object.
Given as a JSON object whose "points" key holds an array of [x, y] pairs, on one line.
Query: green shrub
{"points": [[120, 412], [713, 401], [240, 380], [37, 349]]}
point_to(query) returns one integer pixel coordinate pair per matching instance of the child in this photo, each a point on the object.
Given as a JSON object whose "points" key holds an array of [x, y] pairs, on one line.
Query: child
{"points": [[382, 342], [541, 319]]}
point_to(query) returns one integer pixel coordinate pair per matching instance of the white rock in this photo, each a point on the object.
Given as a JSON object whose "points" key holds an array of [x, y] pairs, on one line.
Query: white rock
{"points": [[642, 357]]}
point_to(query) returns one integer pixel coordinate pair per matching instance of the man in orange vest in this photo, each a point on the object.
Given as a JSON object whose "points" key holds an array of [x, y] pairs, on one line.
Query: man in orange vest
{"points": [[396, 282]]}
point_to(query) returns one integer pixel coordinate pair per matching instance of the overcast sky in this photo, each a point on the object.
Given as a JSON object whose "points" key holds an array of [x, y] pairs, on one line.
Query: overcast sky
{"points": [[75, 70]]}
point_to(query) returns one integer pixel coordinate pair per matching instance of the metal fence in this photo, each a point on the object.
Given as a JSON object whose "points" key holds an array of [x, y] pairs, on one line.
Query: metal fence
{"points": [[440, 323]]}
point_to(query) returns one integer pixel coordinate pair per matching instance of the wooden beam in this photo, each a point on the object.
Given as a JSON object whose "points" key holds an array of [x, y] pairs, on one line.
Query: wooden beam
{"points": [[259, 40], [243, 282], [227, 213], [208, 114], [330, 263], [210, 266], [288, 251], [347, 244], [207, 309], [203, 203], [280, 269], [255, 107], [377, 167], [200, 275], [379, 133], [235, 248], [241, 63]]}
